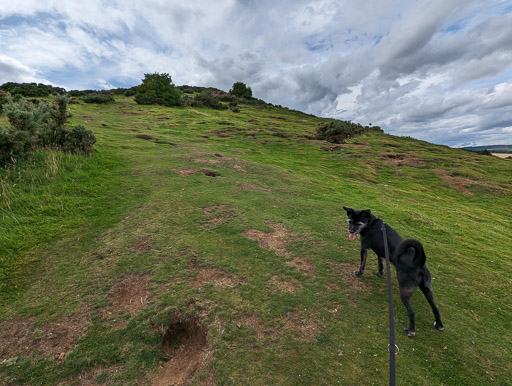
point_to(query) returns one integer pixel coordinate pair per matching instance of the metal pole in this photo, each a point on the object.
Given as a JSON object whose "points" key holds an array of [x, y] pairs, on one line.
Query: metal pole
{"points": [[391, 346]]}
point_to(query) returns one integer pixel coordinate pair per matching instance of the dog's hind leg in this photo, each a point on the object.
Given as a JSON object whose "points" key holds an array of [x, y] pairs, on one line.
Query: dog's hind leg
{"points": [[426, 288], [380, 272], [405, 295]]}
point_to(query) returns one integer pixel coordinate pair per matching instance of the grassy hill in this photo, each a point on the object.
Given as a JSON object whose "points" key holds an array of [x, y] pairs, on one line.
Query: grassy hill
{"points": [[200, 246]]}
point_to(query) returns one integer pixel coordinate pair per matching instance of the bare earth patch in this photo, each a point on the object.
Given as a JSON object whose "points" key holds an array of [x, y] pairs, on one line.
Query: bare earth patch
{"points": [[301, 325], [402, 159], [275, 241], [255, 323], [186, 171], [458, 183], [184, 349], [213, 275], [131, 295], [302, 265], [218, 158], [217, 215], [142, 244], [288, 286], [23, 337], [354, 284]]}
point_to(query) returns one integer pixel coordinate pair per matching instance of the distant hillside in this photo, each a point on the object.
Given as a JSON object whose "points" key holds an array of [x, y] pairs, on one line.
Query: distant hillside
{"points": [[492, 148]]}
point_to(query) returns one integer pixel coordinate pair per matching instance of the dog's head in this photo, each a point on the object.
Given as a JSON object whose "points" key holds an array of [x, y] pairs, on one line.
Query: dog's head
{"points": [[357, 221]]}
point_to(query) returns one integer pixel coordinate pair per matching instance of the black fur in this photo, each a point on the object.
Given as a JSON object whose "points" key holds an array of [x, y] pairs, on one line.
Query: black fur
{"points": [[407, 256]]}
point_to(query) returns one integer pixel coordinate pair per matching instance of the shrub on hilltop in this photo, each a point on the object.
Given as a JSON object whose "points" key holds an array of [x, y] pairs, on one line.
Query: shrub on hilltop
{"points": [[241, 90], [158, 89], [99, 97], [204, 99], [339, 131]]}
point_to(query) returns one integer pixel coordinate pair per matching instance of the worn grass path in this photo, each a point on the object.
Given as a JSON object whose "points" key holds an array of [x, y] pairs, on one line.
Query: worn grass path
{"points": [[207, 247]]}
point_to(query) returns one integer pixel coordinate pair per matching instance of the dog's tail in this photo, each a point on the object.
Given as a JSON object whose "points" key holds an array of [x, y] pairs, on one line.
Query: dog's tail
{"points": [[401, 255]]}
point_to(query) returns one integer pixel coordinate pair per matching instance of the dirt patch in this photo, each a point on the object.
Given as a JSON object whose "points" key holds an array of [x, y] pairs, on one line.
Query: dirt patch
{"points": [[301, 324], [213, 275], [189, 171], [354, 284], [216, 159], [287, 286], [458, 183], [184, 350], [302, 265], [131, 295], [142, 244], [217, 215], [256, 324], [186, 171], [210, 173], [86, 118], [402, 159], [24, 337], [275, 241], [146, 137]]}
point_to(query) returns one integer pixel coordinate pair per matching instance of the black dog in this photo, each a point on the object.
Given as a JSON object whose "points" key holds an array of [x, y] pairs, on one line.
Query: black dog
{"points": [[407, 256]]}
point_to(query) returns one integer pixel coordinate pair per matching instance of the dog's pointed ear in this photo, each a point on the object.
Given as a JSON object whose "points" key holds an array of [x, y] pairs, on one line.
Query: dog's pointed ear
{"points": [[348, 209], [367, 211]]}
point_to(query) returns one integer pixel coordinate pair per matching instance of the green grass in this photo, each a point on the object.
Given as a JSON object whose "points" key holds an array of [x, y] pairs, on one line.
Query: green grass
{"points": [[70, 226]]}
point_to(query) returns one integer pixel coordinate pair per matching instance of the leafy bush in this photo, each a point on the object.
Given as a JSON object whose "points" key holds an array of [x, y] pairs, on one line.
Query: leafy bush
{"points": [[99, 97], [39, 125], [130, 92], [205, 99], [31, 89], [339, 131], [241, 90], [3, 99], [13, 143], [158, 89], [27, 116]]}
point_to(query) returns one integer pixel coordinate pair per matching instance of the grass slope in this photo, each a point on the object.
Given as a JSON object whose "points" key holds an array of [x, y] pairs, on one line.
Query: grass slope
{"points": [[226, 231]]}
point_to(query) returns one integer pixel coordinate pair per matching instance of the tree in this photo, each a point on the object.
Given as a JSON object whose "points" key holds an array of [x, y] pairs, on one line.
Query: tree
{"points": [[241, 90], [158, 89]]}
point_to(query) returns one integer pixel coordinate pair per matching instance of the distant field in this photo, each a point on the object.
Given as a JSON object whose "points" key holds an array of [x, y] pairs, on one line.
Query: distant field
{"points": [[502, 155], [199, 246]]}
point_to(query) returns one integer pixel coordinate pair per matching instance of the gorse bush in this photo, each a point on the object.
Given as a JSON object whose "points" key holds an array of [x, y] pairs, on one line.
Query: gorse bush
{"points": [[99, 97], [3, 99], [158, 89], [204, 99], [41, 125], [339, 131], [31, 89]]}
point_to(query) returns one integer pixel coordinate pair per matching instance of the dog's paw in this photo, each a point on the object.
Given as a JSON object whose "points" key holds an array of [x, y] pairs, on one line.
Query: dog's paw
{"points": [[438, 326], [379, 274], [409, 333], [358, 273]]}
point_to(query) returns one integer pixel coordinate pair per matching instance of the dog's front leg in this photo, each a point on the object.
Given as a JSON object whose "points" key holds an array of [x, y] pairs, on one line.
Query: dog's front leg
{"points": [[363, 262], [380, 272]]}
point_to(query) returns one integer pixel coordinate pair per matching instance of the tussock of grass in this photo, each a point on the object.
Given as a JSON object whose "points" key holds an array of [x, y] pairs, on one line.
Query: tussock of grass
{"points": [[255, 252]]}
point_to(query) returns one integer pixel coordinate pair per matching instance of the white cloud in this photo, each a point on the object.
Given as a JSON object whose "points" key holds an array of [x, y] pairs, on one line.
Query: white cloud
{"points": [[437, 70]]}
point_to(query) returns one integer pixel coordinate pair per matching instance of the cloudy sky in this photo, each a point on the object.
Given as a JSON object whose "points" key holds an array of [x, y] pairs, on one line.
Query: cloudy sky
{"points": [[437, 70]]}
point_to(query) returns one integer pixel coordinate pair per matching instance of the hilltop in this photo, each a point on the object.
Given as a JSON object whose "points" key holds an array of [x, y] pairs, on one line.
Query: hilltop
{"points": [[205, 246]]}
